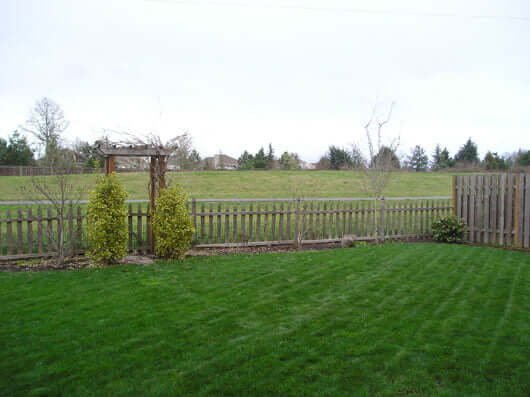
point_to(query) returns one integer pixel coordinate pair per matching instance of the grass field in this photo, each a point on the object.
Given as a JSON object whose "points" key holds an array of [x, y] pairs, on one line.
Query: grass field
{"points": [[395, 319], [264, 184]]}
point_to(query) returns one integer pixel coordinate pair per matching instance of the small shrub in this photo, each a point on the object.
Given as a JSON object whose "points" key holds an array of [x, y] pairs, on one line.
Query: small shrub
{"points": [[449, 229], [107, 228], [172, 224]]}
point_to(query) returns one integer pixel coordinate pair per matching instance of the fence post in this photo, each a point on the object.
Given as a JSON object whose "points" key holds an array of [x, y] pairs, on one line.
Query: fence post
{"points": [[194, 215], [517, 210], [297, 239], [381, 232], [455, 196]]}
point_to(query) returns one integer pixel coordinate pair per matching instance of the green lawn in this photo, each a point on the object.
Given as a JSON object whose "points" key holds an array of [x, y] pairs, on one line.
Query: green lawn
{"points": [[264, 184], [396, 319]]}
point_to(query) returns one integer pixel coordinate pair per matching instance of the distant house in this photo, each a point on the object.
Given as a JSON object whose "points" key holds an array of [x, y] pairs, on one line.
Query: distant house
{"points": [[306, 165], [221, 162], [132, 163]]}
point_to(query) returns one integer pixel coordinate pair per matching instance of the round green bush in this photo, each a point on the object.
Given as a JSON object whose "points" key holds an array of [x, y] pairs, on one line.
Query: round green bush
{"points": [[449, 229], [172, 226], [106, 217]]}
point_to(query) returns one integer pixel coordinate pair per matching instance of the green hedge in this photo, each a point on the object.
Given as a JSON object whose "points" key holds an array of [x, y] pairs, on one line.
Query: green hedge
{"points": [[106, 218], [449, 229], [172, 225]]}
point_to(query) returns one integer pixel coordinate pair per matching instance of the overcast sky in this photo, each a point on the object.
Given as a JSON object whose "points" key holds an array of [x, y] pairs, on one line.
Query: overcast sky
{"points": [[300, 74]]}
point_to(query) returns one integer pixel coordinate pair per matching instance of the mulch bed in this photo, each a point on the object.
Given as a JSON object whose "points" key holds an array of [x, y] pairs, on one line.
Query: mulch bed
{"points": [[35, 265], [258, 249], [82, 262]]}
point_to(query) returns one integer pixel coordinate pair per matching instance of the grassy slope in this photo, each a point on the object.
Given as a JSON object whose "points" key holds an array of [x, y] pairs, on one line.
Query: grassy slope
{"points": [[212, 184], [418, 319]]}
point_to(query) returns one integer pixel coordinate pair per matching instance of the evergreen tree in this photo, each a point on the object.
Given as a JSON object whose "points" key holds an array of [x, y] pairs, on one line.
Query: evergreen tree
{"points": [[3, 151], [436, 157], [523, 158], [339, 158], [445, 160], [468, 153], [441, 158], [492, 161], [418, 160], [270, 157], [18, 151], [246, 161], [195, 159], [260, 160]]}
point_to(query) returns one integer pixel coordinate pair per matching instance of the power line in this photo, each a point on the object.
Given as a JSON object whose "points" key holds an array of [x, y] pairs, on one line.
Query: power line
{"points": [[360, 11]]}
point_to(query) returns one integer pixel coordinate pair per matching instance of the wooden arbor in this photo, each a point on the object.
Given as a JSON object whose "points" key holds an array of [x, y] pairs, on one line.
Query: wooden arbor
{"points": [[157, 168]]}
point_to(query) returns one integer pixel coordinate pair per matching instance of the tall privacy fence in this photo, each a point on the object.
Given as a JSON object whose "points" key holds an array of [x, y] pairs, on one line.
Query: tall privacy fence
{"points": [[496, 208], [238, 222]]}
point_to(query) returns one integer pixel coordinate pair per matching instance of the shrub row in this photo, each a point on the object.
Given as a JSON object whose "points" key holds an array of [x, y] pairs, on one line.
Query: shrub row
{"points": [[107, 228]]}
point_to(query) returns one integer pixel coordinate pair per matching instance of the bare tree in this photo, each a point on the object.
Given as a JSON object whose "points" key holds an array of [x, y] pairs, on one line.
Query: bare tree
{"points": [[63, 193], [46, 123], [383, 157], [382, 161], [358, 160], [182, 150], [301, 227]]}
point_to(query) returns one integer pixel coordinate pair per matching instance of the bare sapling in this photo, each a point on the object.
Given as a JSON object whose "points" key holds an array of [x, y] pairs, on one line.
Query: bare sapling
{"points": [[63, 193], [382, 162]]}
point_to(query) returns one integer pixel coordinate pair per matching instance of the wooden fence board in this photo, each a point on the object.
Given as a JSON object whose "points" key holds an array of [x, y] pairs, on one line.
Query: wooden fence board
{"points": [[49, 229], [139, 234], [501, 197], [526, 220], [40, 247], [465, 199], [484, 208], [29, 231], [509, 208], [9, 233], [518, 210], [492, 216]]}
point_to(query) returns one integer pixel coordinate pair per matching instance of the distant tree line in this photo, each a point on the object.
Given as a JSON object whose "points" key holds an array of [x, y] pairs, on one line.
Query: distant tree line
{"points": [[268, 161], [47, 124], [339, 158]]}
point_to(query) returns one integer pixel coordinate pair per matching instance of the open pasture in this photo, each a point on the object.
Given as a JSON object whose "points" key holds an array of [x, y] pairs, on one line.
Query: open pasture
{"points": [[262, 184]]}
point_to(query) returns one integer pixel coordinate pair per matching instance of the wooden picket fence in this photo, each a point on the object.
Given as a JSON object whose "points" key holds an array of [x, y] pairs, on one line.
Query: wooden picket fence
{"points": [[21, 170], [310, 221], [495, 207], [238, 222], [33, 232]]}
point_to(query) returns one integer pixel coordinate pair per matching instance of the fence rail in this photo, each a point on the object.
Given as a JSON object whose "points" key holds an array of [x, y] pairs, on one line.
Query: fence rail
{"points": [[238, 222]]}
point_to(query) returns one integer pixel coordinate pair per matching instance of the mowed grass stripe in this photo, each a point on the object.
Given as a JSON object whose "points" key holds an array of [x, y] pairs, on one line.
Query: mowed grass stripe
{"points": [[459, 281], [394, 319]]}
